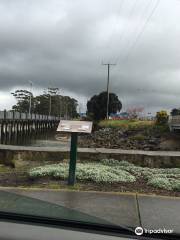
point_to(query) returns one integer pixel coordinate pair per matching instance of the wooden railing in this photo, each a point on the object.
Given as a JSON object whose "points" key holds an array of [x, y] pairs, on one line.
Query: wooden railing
{"points": [[13, 115]]}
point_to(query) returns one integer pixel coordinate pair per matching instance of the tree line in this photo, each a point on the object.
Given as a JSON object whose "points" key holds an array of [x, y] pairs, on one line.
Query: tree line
{"points": [[50, 102]]}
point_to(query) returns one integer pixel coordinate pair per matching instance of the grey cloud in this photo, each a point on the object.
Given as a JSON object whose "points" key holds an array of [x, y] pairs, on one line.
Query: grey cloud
{"points": [[63, 43]]}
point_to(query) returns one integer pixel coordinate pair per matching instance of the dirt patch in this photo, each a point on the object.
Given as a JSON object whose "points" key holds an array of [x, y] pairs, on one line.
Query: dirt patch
{"points": [[170, 142], [21, 179]]}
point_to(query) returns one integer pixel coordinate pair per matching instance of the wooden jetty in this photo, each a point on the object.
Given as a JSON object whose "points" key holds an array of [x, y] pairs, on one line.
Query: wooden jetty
{"points": [[16, 125]]}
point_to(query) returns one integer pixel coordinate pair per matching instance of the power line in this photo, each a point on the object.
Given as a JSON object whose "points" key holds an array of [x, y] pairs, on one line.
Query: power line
{"points": [[143, 29], [137, 26], [120, 10], [114, 27], [123, 33], [123, 28]]}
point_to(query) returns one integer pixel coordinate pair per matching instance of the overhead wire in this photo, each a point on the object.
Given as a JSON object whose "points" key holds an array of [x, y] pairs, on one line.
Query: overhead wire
{"points": [[125, 29], [140, 33], [142, 30], [114, 27], [135, 30], [129, 15]]}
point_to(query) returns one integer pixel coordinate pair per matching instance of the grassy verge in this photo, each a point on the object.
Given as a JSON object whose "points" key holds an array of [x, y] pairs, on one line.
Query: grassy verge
{"points": [[125, 124]]}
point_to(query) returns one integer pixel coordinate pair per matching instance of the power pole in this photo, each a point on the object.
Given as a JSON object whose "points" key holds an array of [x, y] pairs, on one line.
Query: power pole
{"points": [[49, 104], [107, 107], [60, 107], [66, 109], [51, 91], [30, 97]]}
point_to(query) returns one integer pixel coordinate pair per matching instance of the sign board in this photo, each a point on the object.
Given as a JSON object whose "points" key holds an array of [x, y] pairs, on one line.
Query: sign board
{"points": [[75, 126]]}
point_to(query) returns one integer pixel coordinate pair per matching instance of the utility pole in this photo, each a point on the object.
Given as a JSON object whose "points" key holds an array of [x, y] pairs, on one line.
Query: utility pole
{"points": [[60, 107], [51, 91], [49, 104], [50, 100], [66, 109], [30, 97], [107, 107]]}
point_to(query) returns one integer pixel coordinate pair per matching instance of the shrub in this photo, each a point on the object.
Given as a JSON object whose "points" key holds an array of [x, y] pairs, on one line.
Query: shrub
{"points": [[55, 170], [113, 162], [161, 118], [85, 171], [126, 124], [114, 171], [103, 174], [175, 185], [159, 182]]}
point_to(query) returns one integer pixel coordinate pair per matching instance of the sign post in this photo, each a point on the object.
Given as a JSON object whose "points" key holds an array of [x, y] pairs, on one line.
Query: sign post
{"points": [[74, 127], [73, 157]]}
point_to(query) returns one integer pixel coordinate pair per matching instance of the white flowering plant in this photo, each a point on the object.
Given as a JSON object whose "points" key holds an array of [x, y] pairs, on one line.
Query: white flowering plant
{"points": [[95, 172], [113, 171]]}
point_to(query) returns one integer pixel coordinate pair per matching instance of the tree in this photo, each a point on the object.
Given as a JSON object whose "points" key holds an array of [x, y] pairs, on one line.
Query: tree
{"points": [[97, 105], [42, 104], [23, 100], [48, 103], [68, 107], [61, 106], [50, 93], [175, 111]]}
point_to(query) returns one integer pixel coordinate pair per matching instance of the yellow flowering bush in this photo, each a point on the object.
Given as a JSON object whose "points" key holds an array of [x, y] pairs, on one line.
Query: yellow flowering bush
{"points": [[161, 117]]}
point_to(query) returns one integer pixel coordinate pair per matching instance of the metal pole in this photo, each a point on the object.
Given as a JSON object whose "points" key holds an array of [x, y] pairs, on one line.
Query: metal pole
{"points": [[73, 156], [59, 107], [49, 104], [66, 106], [30, 98], [107, 107]]}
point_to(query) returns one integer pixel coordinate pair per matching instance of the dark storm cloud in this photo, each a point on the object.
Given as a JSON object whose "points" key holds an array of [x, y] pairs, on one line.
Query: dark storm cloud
{"points": [[62, 43]]}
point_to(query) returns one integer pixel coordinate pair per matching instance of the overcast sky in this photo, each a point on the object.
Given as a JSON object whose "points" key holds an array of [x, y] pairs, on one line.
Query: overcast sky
{"points": [[61, 43]]}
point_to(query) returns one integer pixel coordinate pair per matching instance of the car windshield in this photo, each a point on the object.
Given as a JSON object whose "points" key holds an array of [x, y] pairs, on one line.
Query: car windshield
{"points": [[90, 112]]}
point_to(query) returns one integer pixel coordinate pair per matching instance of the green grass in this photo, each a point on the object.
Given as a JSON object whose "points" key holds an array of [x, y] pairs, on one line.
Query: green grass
{"points": [[113, 171], [138, 137], [126, 124], [4, 168]]}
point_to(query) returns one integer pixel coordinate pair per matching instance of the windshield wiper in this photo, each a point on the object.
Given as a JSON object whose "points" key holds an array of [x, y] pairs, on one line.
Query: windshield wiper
{"points": [[66, 223], [114, 230]]}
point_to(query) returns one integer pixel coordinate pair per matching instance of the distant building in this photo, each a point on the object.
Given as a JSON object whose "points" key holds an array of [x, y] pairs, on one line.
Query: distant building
{"points": [[119, 116]]}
